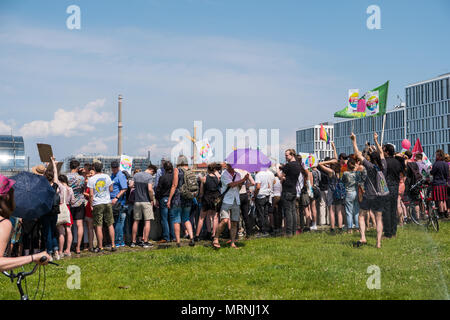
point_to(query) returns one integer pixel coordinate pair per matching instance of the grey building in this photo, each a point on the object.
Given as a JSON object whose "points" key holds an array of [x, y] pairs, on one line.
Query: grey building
{"points": [[308, 141], [12, 154], [428, 114], [363, 128]]}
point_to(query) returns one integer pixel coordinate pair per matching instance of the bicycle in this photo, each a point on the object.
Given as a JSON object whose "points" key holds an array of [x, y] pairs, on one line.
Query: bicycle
{"points": [[428, 214], [22, 276]]}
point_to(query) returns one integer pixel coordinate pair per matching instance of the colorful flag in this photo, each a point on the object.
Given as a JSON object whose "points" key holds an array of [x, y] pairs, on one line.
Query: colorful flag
{"points": [[126, 163], [371, 104], [309, 160], [323, 134], [353, 95], [204, 151]]}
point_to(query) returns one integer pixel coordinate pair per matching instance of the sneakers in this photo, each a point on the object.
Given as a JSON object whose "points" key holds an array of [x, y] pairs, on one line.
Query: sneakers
{"points": [[147, 245], [98, 250], [162, 241], [133, 245], [113, 249], [314, 227], [192, 243]]}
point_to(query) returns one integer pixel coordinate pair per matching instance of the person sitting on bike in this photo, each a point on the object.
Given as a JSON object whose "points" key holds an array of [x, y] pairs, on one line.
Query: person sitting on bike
{"points": [[7, 206], [413, 176]]}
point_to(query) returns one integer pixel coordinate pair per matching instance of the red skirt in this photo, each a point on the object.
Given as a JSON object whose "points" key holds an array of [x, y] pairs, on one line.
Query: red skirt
{"points": [[439, 193], [71, 220]]}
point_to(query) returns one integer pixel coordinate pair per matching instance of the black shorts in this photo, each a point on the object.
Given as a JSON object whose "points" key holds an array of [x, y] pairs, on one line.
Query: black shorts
{"points": [[78, 212], [374, 204]]}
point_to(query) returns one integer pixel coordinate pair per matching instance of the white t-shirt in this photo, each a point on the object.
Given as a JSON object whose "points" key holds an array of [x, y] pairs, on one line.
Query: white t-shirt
{"points": [[100, 184], [233, 193], [277, 188], [265, 178]]}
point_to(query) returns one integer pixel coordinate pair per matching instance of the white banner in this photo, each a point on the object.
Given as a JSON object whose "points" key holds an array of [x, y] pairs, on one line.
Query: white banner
{"points": [[372, 103], [353, 95], [126, 163], [204, 151]]}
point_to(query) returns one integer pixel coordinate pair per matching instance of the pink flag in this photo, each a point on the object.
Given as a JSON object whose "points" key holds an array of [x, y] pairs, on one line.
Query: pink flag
{"points": [[361, 105]]}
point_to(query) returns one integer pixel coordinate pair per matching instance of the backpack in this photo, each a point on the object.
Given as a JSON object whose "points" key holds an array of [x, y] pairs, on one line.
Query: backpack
{"points": [[381, 188], [189, 189], [337, 188], [339, 192]]}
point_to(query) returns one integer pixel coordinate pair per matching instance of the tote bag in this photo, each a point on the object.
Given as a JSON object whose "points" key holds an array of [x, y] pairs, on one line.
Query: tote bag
{"points": [[64, 213]]}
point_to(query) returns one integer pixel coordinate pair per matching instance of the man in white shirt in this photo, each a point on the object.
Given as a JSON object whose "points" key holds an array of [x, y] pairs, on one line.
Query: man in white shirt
{"points": [[245, 202], [264, 181], [100, 186], [231, 183]]}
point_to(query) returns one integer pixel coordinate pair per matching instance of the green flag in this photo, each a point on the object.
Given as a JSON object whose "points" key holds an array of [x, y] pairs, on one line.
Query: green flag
{"points": [[371, 104]]}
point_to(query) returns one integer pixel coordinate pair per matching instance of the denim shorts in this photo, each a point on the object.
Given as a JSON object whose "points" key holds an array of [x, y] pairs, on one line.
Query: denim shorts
{"points": [[175, 215], [185, 214]]}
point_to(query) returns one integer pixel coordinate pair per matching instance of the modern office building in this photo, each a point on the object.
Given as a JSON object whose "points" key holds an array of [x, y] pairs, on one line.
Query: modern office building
{"points": [[308, 141], [363, 128], [428, 114], [138, 162], [12, 154]]}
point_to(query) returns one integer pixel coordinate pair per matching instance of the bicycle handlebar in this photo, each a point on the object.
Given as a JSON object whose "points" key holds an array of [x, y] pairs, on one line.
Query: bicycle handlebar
{"points": [[22, 275]]}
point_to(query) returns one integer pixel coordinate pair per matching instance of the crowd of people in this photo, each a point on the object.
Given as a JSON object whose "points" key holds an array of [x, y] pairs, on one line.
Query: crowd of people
{"points": [[348, 193]]}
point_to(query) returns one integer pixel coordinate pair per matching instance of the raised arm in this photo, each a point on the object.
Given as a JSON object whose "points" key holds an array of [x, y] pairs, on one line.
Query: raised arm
{"points": [[380, 150], [334, 150], [355, 148], [322, 166], [55, 171]]}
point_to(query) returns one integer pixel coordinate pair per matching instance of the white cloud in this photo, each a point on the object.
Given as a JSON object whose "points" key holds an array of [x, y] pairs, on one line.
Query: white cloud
{"points": [[95, 146], [4, 128], [69, 123]]}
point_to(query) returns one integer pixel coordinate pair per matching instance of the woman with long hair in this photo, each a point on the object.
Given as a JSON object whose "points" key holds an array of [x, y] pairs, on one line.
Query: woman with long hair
{"points": [[333, 169], [209, 195], [65, 230], [370, 200]]}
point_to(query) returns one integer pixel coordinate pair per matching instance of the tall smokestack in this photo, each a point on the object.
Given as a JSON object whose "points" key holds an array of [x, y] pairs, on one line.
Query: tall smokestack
{"points": [[119, 133]]}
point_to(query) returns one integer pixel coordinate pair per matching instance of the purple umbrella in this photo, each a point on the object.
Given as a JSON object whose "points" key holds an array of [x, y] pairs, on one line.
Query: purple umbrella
{"points": [[248, 159]]}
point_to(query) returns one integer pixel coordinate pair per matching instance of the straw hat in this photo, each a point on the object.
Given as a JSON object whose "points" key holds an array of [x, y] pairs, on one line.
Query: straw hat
{"points": [[39, 170]]}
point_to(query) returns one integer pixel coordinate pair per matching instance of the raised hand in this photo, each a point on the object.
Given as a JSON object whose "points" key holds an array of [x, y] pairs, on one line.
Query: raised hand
{"points": [[353, 137], [375, 136]]}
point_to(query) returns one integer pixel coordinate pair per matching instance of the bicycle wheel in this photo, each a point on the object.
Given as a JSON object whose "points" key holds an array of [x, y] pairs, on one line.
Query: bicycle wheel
{"points": [[414, 218]]}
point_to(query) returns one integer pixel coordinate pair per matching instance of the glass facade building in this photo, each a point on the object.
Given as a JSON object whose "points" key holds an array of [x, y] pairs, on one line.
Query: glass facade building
{"points": [[428, 114], [394, 131], [308, 141], [12, 153]]}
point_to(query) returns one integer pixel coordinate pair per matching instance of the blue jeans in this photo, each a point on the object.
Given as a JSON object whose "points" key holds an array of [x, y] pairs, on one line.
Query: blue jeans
{"points": [[50, 232], [352, 209], [167, 229], [119, 225]]}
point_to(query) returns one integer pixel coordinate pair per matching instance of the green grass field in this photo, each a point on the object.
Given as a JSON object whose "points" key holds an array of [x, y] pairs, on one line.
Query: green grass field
{"points": [[318, 265]]}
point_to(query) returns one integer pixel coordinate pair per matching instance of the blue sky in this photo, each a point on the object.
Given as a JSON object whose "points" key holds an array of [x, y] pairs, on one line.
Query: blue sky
{"points": [[231, 64]]}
